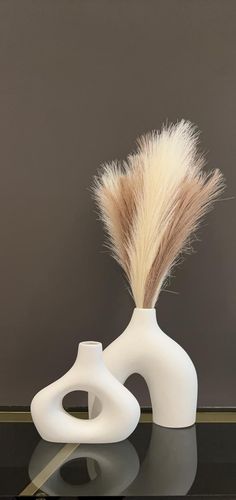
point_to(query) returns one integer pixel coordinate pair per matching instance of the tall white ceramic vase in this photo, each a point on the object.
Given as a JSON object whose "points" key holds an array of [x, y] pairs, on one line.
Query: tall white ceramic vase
{"points": [[120, 410], [167, 369]]}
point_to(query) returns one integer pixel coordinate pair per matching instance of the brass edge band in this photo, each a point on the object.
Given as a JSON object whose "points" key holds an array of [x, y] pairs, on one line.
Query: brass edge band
{"points": [[202, 416]]}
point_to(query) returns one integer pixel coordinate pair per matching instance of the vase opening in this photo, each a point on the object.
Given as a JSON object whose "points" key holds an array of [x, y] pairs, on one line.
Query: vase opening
{"points": [[90, 343], [144, 308]]}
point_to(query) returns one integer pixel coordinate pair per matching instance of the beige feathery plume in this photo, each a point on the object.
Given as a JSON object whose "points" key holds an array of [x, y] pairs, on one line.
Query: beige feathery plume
{"points": [[152, 203]]}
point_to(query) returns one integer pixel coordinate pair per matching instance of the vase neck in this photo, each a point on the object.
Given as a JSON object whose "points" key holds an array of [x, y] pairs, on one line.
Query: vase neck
{"points": [[89, 353], [143, 320]]}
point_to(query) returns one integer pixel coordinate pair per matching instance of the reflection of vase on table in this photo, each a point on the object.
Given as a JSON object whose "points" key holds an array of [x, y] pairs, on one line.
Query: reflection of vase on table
{"points": [[111, 468], [170, 465], [168, 468]]}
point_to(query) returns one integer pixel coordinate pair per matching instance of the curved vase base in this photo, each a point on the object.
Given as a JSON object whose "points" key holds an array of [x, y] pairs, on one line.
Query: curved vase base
{"points": [[166, 368]]}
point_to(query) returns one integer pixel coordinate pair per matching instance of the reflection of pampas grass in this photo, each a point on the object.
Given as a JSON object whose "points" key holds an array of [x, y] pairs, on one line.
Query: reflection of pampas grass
{"points": [[151, 204]]}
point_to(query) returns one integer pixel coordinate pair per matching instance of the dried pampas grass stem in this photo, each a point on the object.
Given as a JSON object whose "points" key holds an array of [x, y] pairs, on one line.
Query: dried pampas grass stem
{"points": [[152, 203]]}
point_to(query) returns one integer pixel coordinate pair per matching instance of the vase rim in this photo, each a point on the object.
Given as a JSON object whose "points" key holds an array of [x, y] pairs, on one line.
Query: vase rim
{"points": [[144, 308], [90, 343]]}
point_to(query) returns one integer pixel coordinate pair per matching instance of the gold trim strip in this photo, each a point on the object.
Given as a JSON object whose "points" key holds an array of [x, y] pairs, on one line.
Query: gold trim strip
{"points": [[203, 417], [25, 416], [50, 468], [218, 416], [15, 416]]}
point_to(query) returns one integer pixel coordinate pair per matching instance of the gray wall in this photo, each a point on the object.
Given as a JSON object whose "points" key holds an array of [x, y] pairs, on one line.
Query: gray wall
{"points": [[80, 79]]}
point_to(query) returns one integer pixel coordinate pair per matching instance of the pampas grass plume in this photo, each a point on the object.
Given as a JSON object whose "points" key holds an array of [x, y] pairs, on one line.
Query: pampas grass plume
{"points": [[152, 203]]}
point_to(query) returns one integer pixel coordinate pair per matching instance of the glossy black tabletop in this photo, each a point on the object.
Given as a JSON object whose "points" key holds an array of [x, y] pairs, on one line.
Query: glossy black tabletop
{"points": [[154, 461]]}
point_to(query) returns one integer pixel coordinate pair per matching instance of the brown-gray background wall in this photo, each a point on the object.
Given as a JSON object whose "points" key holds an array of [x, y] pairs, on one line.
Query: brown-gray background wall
{"points": [[79, 81]]}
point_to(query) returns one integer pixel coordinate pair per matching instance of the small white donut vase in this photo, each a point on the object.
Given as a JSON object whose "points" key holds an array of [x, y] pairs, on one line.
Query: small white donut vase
{"points": [[119, 413], [167, 369]]}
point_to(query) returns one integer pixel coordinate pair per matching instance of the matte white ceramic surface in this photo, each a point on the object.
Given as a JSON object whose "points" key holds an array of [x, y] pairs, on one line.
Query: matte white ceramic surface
{"points": [[119, 413], [167, 369]]}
